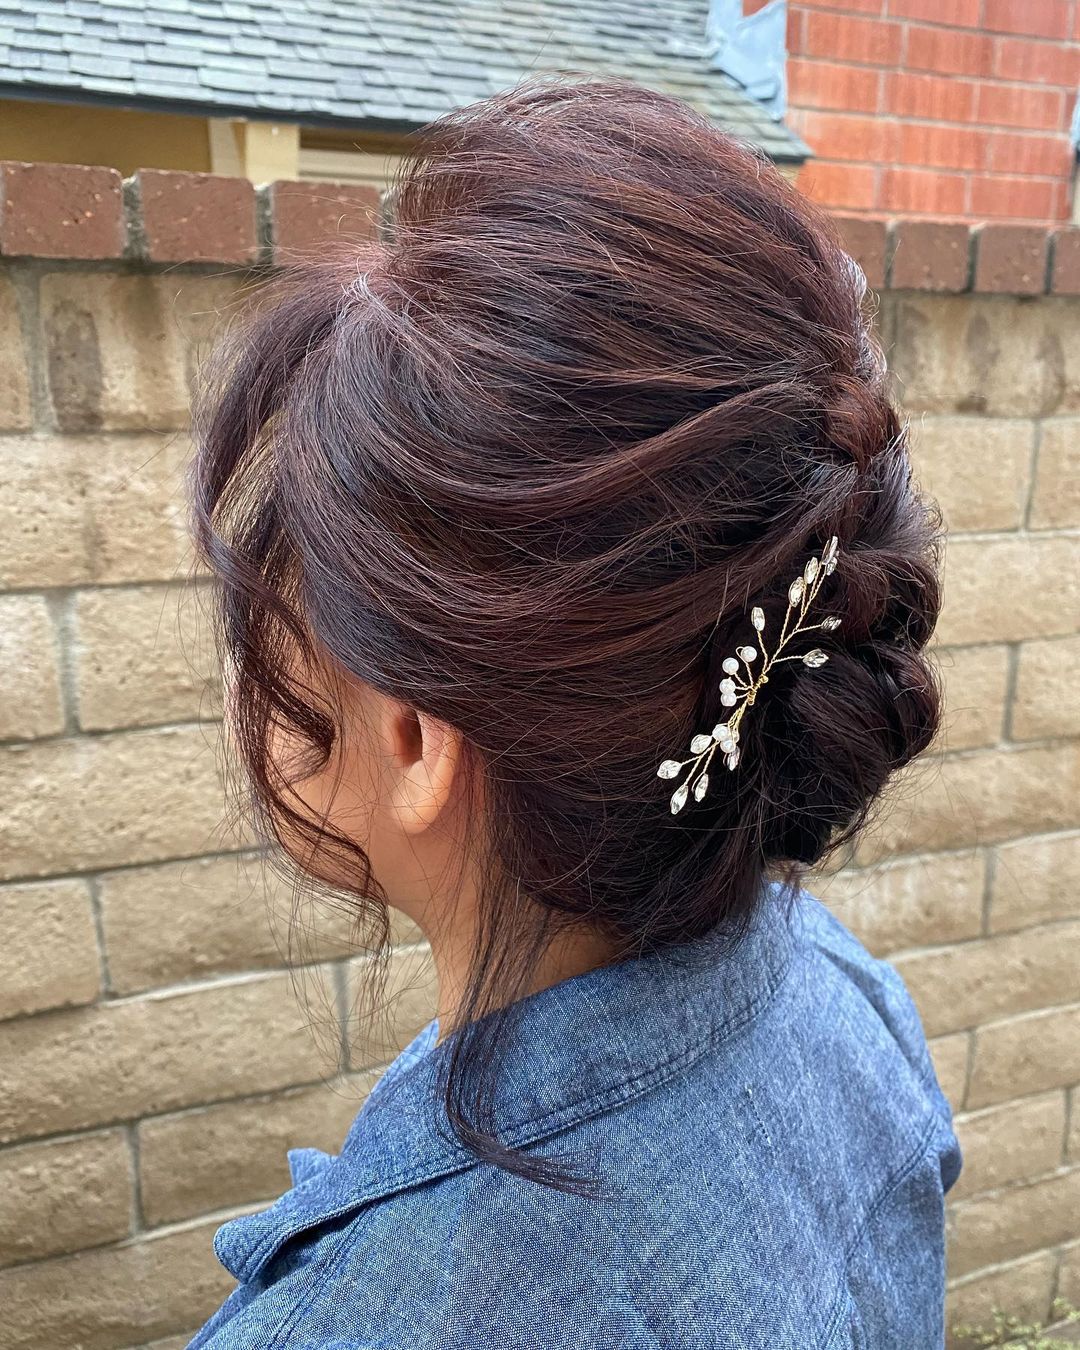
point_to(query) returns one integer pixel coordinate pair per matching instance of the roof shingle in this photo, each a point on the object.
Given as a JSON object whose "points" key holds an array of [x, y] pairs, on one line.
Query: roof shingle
{"points": [[390, 63]]}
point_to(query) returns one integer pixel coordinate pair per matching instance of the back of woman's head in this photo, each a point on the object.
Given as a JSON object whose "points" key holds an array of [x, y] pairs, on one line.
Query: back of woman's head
{"points": [[527, 465]]}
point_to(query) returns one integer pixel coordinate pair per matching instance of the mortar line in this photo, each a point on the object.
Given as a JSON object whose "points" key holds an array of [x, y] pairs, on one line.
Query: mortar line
{"points": [[80, 734], [245, 852], [989, 878], [26, 288], [969, 1069], [1055, 1281], [201, 581], [213, 1218], [1012, 679], [331, 1082], [341, 998], [1033, 474], [980, 1272], [60, 605], [138, 1218], [97, 914]]}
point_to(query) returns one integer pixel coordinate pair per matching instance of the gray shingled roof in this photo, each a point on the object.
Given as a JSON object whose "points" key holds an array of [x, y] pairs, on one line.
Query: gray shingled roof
{"points": [[385, 64]]}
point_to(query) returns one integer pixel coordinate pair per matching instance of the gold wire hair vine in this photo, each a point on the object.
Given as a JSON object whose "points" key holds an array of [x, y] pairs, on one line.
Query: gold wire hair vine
{"points": [[739, 690]]}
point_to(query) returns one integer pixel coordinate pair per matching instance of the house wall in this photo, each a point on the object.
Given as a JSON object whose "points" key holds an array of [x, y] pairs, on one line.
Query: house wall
{"points": [[123, 138], [126, 139], [956, 109], [154, 1064]]}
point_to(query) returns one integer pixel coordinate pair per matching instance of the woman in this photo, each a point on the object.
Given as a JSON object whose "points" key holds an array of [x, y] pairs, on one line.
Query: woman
{"points": [[591, 462]]}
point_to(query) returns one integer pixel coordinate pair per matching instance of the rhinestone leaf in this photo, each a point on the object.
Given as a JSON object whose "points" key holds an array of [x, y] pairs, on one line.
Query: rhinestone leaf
{"points": [[831, 550], [830, 625], [795, 591], [669, 769], [810, 571], [700, 742], [757, 618], [815, 658], [730, 666], [732, 760], [678, 799], [748, 654], [700, 786]]}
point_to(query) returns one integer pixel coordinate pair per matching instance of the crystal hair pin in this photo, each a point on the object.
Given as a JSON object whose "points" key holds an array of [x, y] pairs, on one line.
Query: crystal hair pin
{"points": [[741, 685]]}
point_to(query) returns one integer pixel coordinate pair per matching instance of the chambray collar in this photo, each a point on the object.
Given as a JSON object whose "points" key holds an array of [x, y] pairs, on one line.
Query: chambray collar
{"points": [[578, 1048]]}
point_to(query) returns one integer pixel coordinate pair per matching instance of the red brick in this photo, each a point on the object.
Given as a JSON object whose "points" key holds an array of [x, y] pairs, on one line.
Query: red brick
{"points": [[930, 255], [60, 211], [306, 216], [1037, 62], [843, 136], [196, 217], [865, 239], [1031, 18], [964, 13], [1065, 278], [796, 28], [937, 97], [1029, 152], [826, 84], [948, 51], [1011, 259], [1012, 198], [841, 37], [848, 6], [924, 191], [1010, 105], [848, 186], [941, 147]]}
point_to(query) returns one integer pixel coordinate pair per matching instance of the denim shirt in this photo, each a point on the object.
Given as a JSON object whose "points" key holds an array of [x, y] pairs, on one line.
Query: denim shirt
{"points": [[773, 1145]]}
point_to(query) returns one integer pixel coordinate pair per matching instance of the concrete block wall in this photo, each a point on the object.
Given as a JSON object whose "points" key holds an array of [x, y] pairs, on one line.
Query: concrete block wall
{"points": [[154, 1062]]}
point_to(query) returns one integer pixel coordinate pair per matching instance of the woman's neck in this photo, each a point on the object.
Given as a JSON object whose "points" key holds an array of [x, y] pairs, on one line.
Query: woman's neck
{"points": [[453, 947]]}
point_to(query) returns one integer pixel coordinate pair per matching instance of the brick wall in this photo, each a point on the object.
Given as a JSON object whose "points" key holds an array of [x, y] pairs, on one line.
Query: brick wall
{"points": [[153, 1063], [949, 108]]}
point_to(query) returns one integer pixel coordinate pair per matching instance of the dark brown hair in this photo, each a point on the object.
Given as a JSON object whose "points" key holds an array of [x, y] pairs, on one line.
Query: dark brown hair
{"points": [[526, 465]]}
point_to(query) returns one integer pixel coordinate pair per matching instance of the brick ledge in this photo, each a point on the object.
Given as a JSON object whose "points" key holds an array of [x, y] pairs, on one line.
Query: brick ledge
{"points": [[164, 217]]}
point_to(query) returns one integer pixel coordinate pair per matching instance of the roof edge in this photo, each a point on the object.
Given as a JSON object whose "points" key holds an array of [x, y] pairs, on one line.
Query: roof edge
{"points": [[797, 155]]}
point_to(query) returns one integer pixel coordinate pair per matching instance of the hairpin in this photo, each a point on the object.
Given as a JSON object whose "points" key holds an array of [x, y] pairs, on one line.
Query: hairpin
{"points": [[739, 690]]}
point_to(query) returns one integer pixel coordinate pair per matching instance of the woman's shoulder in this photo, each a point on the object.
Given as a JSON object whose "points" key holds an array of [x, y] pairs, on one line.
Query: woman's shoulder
{"points": [[875, 1015], [484, 1261], [732, 1123]]}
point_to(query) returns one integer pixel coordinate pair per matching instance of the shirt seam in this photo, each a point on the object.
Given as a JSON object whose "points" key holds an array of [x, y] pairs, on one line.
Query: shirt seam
{"points": [[293, 1314], [917, 1155], [920, 1152]]}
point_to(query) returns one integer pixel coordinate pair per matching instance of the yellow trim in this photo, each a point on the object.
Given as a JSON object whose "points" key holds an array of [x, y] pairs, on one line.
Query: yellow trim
{"points": [[121, 138], [271, 150]]}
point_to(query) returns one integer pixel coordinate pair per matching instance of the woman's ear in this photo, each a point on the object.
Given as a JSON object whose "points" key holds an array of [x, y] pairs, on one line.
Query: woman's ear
{"points": [[425, 754]]}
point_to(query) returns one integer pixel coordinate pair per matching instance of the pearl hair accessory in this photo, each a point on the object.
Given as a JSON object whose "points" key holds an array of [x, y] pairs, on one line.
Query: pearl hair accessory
{"points": [[739, 690]]}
